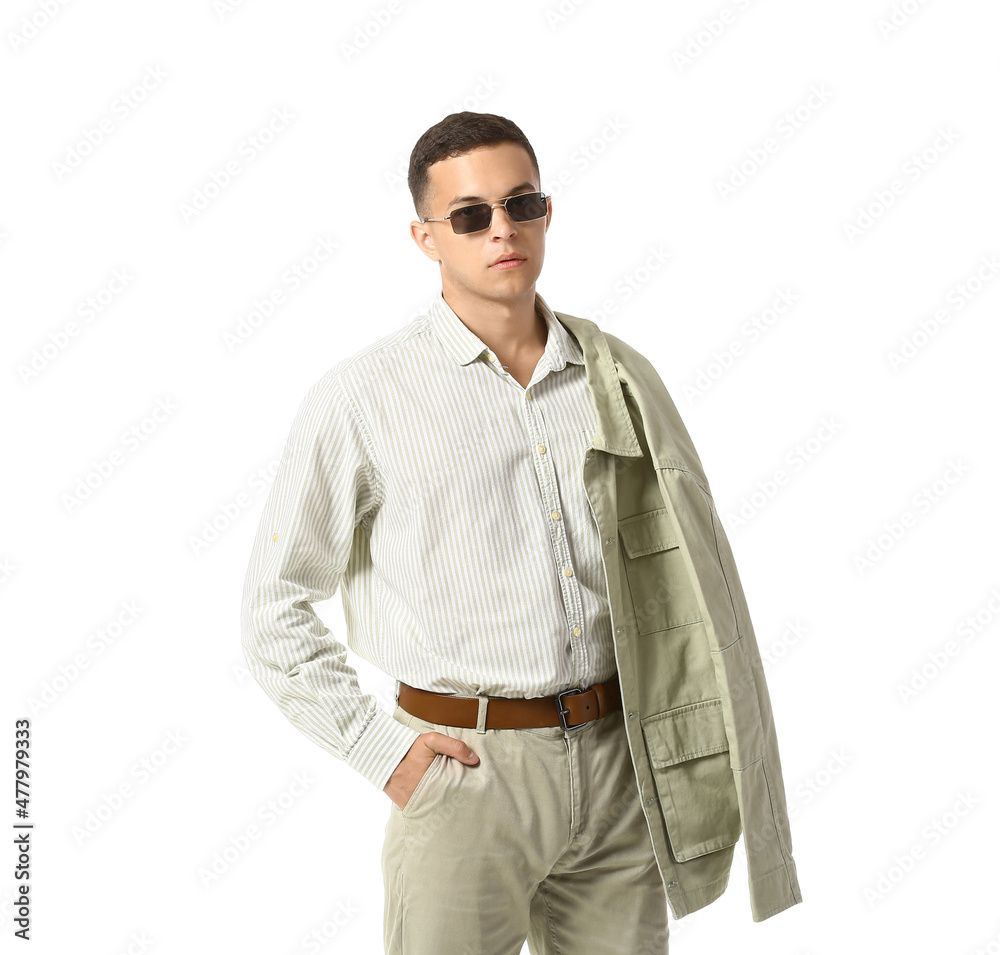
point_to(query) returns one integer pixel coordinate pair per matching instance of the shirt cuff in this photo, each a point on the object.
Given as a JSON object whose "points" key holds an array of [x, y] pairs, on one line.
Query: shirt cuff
{"points": [[381, 746]]}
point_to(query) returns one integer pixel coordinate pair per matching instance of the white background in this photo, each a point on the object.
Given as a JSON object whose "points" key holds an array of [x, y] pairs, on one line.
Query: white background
{"points": [[638, 115]]}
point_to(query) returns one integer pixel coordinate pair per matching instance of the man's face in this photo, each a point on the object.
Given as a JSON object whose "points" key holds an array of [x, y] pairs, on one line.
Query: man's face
{"points": [[484, 174]]}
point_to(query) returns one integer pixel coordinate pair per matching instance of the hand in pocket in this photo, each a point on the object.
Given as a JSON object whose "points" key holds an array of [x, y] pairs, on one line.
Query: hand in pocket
{"points": [[407, 775]]}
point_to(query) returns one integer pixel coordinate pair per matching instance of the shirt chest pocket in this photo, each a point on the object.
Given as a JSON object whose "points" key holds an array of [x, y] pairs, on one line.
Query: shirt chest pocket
{"points": [[658, 582]]}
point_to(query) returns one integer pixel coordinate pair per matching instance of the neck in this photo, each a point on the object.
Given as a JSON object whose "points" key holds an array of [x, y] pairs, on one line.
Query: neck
{"points": [[512, 329]]}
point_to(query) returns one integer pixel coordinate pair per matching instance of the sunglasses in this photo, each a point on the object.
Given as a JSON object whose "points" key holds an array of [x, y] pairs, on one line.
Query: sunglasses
{"points": [[475, 218]]}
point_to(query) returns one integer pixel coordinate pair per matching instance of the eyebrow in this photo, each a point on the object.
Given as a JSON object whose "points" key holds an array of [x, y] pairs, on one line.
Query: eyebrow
{"points": [[511, 192]]}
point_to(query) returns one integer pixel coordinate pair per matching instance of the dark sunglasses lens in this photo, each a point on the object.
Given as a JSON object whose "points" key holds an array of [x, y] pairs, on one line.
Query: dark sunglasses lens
{"points": [[471, 218], [523, 208]]}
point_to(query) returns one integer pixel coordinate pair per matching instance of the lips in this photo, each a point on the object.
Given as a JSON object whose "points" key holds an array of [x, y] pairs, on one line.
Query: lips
{"points": [[507, 262]]}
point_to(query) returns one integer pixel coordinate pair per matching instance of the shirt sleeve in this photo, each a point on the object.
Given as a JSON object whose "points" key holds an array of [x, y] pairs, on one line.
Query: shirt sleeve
{"points": [[325, 486]]}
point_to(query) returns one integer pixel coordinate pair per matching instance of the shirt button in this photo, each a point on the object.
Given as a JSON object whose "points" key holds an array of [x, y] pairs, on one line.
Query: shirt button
{"points": [[492, 357], [541, 449], [527, 395], [555, 515], [576, 631], [568, 571]]}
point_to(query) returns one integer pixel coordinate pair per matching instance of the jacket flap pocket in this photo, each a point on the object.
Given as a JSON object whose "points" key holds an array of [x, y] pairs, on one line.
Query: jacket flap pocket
{"points": [[647, 533], [688, 753], [686, 732]]}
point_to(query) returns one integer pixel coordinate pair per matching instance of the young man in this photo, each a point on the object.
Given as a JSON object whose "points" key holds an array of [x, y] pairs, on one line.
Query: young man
{"points": [[582, 724]]}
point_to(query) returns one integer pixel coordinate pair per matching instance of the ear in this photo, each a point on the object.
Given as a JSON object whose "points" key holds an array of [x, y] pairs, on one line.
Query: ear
{"points": [[424, 240]]}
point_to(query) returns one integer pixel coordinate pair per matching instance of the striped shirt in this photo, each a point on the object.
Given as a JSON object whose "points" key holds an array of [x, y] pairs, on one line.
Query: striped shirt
{"points": [[448, 503]]}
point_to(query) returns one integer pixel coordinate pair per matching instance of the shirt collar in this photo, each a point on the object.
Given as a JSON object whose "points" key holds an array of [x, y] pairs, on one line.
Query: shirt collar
{"points": [[464, 345]]}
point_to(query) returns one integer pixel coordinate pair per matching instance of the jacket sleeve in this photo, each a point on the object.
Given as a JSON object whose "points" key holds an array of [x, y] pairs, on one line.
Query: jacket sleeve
{"points": [[326, 485]]}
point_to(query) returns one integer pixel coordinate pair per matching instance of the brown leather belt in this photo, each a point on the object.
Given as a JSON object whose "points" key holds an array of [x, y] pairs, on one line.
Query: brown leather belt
{"points": [[569, 709]]}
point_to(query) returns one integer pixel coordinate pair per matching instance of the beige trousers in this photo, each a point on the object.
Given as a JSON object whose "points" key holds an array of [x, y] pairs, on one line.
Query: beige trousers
{"points": [[543, 840]]}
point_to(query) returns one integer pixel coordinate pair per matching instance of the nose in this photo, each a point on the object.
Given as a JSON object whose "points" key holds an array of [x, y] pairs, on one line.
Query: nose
{"points": [[501, 224]]}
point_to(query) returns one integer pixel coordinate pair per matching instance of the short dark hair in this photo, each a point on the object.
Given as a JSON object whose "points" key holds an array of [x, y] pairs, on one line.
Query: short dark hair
{"points": [[455, 135]]}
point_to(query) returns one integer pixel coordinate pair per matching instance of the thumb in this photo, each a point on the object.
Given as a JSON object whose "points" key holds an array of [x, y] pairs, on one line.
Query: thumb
{"points": [[459, 750]]}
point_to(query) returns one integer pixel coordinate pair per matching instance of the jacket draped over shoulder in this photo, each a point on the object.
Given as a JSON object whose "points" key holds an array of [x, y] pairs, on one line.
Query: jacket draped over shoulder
{"points": [[698, 715]]}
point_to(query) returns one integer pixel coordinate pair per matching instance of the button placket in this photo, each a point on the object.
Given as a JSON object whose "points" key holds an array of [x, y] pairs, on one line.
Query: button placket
{"points": [[549, 488]]}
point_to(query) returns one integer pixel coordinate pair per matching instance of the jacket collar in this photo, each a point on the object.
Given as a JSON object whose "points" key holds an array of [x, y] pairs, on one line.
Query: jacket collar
{"points": [[614, 423], [465, 346]]}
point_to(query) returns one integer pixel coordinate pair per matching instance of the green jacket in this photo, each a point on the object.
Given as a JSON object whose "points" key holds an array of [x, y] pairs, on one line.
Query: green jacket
{"points": [[697, 711]]}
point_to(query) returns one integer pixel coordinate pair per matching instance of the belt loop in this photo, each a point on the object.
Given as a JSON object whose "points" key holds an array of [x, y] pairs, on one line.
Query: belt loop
{"points": [[481, 720]]}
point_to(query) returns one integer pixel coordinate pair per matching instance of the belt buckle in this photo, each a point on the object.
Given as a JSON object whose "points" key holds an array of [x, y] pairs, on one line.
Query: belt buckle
{"points": [[563, 711]]}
